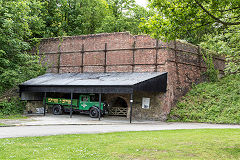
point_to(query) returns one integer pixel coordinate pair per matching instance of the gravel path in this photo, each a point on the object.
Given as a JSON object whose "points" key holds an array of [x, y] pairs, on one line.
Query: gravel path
{"points": [[46, 130]]}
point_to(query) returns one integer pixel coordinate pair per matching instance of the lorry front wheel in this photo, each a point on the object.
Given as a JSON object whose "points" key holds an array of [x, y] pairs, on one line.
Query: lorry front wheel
{"points": [[57, 109], [93, 112]]}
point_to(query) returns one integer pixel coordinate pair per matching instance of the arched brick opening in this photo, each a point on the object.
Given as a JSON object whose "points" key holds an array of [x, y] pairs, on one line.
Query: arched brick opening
{"points": [[118, 105]]}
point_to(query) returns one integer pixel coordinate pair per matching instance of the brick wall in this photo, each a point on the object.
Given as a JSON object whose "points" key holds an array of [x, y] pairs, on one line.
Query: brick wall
{"points": [[123, 52]]}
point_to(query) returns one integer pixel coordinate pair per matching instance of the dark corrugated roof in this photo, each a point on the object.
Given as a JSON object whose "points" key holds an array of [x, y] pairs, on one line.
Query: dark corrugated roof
{"points": [[91, 79], [94, 82]]}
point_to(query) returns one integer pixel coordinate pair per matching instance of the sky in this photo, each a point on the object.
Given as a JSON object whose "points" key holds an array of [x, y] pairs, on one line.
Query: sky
{"points": [[142, 2]]}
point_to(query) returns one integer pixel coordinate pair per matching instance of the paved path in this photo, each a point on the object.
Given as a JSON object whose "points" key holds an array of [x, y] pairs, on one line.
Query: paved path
{"points": [[25, 131]]}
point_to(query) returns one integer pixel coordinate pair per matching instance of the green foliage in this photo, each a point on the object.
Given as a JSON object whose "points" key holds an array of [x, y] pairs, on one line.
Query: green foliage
{"points": [[16, 65], [72, 17], [125, 15], [190, 19], [78, 17], [228, 44], [12, 106], [215, 102], [211, 72]]}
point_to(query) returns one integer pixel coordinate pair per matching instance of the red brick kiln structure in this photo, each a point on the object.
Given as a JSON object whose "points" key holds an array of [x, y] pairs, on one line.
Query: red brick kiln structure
{"points": [[123, 52]]}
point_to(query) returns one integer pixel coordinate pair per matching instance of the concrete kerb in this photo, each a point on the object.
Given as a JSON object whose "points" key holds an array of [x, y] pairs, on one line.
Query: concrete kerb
{"points": [[50, 120]]}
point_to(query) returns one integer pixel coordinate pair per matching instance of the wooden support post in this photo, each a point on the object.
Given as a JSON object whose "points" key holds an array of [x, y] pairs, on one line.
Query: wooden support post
{"points": [[131, 103], [71, 105], [99, 107], [44, 112]]}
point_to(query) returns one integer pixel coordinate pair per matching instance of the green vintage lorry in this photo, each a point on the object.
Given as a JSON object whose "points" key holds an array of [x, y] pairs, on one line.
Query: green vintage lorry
{"points": [[86, 104]]}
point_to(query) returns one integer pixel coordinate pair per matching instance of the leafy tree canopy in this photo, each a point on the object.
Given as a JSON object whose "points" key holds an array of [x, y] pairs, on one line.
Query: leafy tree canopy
{"points": [[212, 23], [124, 17], [72, 17], [16, 65], [190, 19], [77, 17]]}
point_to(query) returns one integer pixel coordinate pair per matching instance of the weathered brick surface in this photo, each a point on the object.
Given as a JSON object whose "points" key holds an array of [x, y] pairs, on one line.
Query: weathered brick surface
{"points": [[189, 58], [119, 57], [181, 60], [162, 56], [186, 47], [93, 58], [52, 70], [119, 40], [156, 109], [71, 59], [144, 68], [170, 55], [162, 44], [144, 41], [126, 68], [161, 68], [51, 60], [89, 44], [71, 44], [49, 45], [145, 56], [170, 67], [93, 69], [70, 69]]}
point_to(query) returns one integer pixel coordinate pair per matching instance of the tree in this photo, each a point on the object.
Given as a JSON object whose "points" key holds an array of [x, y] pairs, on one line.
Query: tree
{"points": [[190, 19], [212, 23], [16, 65], [72, 17], [125, 15], [226, 43]]}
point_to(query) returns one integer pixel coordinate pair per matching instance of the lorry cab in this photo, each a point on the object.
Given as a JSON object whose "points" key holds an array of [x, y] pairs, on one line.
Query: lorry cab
{"points": [[86, 101]]}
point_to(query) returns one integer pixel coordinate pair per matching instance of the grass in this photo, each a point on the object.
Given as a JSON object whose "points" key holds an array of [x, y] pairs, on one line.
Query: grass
{"points": [[2, 124], [16, 116], [215, 102], [173, 144]]}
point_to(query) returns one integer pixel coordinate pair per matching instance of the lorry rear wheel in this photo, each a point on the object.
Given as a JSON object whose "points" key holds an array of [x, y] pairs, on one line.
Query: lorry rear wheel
{"points": [[93, 112], [57, 109]]}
